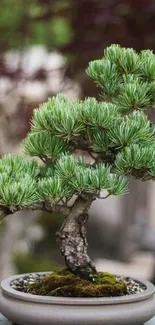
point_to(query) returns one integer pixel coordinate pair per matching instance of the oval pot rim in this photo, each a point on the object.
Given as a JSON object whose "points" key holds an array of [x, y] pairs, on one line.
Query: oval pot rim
{"points": [[13, 293]]}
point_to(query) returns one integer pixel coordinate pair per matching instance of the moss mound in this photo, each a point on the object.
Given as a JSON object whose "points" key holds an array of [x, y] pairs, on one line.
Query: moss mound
{"points": [[65, 284]]}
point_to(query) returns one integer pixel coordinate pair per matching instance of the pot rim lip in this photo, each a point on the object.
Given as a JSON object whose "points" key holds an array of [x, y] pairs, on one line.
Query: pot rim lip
{"points": [[7, 290]]}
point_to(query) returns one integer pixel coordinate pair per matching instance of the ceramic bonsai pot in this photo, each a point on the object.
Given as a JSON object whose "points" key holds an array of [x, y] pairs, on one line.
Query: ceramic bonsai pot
{"points": [[27, 309]]}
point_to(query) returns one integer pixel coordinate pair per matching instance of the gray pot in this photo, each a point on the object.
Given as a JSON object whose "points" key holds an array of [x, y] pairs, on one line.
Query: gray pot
{"points": [[28, 309]]}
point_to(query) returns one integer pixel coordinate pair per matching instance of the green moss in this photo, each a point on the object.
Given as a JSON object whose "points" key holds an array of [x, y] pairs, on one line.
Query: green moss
{"points": [[65, 284]]}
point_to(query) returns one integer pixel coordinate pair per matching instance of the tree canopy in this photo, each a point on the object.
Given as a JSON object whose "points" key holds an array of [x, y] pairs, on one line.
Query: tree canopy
{"points": [[116, 132]]}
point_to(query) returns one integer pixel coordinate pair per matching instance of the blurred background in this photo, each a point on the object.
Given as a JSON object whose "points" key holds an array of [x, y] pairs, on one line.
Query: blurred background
{"points": [[45, 47]]}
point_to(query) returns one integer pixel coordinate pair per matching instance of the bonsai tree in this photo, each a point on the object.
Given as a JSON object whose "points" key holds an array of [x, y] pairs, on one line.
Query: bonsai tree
{"points": [[115, 132]]}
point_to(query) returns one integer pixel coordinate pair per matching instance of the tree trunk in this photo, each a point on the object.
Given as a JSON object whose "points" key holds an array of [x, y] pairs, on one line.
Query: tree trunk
{"points": [[73, 241]]}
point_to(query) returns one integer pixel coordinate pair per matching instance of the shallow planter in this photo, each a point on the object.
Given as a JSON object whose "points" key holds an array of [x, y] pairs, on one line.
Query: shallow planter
{"points": [[27, 309]]}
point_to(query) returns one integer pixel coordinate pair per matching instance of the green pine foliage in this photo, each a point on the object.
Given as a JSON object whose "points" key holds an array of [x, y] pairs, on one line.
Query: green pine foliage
{"points": [[115, 132], [125, 77], [44, 145], [17, 182]]}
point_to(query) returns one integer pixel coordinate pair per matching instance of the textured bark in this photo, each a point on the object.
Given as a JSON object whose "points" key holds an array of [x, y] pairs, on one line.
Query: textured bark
{"points": [[73, 241], [43, 206]]}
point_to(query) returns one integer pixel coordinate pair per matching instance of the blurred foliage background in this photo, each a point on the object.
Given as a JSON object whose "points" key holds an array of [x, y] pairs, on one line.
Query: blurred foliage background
{"points": [[79, 31]]}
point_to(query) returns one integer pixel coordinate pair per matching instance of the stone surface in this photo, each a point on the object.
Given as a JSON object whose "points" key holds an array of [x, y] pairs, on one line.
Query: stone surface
{"points": [[4, 321]]}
